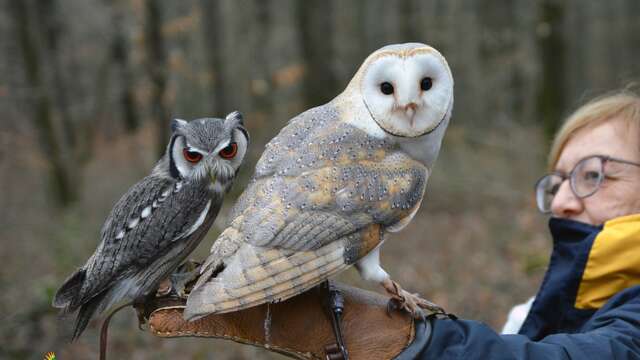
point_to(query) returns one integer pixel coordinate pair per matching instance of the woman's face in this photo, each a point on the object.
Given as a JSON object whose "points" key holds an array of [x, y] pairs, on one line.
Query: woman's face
{"points": [[619, 193]]}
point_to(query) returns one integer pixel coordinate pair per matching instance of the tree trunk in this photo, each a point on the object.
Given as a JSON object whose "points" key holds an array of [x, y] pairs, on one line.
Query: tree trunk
{"points": [[212, 34], [120, 50], [550, 99], [157, 65], [316, 31], [30, 37]]}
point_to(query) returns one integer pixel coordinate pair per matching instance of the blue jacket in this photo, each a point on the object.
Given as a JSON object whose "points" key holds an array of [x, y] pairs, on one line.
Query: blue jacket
{"points": [[588, 306]]}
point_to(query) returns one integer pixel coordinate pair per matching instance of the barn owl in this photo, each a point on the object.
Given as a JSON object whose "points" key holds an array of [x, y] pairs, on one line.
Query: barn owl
{"points": [[331, 184]]}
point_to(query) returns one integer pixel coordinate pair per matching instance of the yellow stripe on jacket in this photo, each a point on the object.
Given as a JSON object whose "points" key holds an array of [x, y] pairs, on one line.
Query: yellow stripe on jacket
{"points": [[613, 264]]}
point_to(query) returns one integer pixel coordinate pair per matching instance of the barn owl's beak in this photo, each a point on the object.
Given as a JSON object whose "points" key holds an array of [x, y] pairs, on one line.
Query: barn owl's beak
{"points": [[410, 111]]}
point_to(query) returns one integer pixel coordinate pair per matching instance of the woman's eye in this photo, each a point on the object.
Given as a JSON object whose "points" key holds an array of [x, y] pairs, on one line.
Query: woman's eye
{"points": [[426, 83], [386, 88], [229, 151], [591, 175], [191, 156]]}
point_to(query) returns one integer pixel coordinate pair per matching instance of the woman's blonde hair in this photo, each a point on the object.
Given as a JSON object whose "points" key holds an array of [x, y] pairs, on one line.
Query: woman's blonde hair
{"points": [[622, 104]]}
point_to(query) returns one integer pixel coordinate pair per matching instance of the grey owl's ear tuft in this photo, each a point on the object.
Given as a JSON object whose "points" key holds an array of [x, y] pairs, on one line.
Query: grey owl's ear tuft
{"points": [[235, 116], [176, 124], [235, 121]]}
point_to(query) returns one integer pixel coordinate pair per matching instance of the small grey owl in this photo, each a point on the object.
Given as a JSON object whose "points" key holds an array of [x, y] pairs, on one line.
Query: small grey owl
{"points": [[329, 186], [160, 220]]}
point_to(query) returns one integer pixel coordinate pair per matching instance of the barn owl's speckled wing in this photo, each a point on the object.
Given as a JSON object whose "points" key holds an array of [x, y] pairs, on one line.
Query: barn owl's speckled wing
{"points": [[322, 194]]}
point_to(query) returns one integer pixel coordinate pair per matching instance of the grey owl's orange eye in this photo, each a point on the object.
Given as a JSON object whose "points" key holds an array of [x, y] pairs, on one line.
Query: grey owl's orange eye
{"points": [[230, 151], [426, 83], [386, 88], [191, 156]]}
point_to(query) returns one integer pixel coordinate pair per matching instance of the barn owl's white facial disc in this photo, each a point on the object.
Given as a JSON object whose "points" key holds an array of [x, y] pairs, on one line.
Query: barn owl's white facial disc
{"points": [[408, 94]]}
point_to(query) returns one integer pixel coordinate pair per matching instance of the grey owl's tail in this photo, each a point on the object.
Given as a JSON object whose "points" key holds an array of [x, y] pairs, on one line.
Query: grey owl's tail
{"points": [[69, 298], [87, 310]]}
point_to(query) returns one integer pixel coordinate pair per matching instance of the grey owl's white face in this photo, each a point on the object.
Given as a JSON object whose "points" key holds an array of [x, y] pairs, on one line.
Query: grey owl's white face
{"points": [[408, 91], [208, 149]]}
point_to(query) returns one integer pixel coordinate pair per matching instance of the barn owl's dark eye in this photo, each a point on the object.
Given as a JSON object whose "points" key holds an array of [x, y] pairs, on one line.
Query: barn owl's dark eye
{"points": [[426, 83], [386, 88]]}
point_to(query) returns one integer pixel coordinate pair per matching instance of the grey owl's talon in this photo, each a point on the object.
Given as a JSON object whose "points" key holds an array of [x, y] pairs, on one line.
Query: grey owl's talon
{"points": [[182, 280]]}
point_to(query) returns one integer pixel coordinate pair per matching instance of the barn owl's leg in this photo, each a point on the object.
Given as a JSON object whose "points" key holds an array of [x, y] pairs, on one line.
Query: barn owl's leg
{"points": [[370, 270], [412, 303]]}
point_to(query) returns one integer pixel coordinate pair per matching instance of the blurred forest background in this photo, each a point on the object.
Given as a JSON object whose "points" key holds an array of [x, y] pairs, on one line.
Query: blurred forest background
{"points": [[88, 87]]}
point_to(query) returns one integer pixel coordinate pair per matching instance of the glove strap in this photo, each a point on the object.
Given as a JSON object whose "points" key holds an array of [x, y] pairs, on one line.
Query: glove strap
{"points": [[337, 351]]}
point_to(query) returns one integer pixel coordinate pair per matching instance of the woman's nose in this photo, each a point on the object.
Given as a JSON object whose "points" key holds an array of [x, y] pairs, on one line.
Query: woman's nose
{"points": [[565, 203]]}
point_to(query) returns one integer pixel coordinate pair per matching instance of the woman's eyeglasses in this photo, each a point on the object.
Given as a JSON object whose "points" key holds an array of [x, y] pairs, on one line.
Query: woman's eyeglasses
{"points": [[585, 180]]}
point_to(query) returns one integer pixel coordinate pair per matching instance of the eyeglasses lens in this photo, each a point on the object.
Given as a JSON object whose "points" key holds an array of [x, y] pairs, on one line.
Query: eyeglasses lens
{"points": [[546, 189], [587, 177]]}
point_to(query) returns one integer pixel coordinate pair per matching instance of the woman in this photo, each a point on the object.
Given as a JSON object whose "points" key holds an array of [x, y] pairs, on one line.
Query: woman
{"points": [[588, 306]]}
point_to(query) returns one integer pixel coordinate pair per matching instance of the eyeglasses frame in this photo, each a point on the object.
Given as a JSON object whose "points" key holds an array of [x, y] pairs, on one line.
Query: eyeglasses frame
{"points": [[603, 160]]}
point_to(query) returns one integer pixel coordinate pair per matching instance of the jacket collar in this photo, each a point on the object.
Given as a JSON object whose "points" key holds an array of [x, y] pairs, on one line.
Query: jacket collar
{"points": [[588, 265]]}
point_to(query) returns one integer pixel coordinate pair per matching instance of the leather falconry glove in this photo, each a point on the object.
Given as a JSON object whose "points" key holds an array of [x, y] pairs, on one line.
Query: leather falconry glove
{"points": [[300, 327]]}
